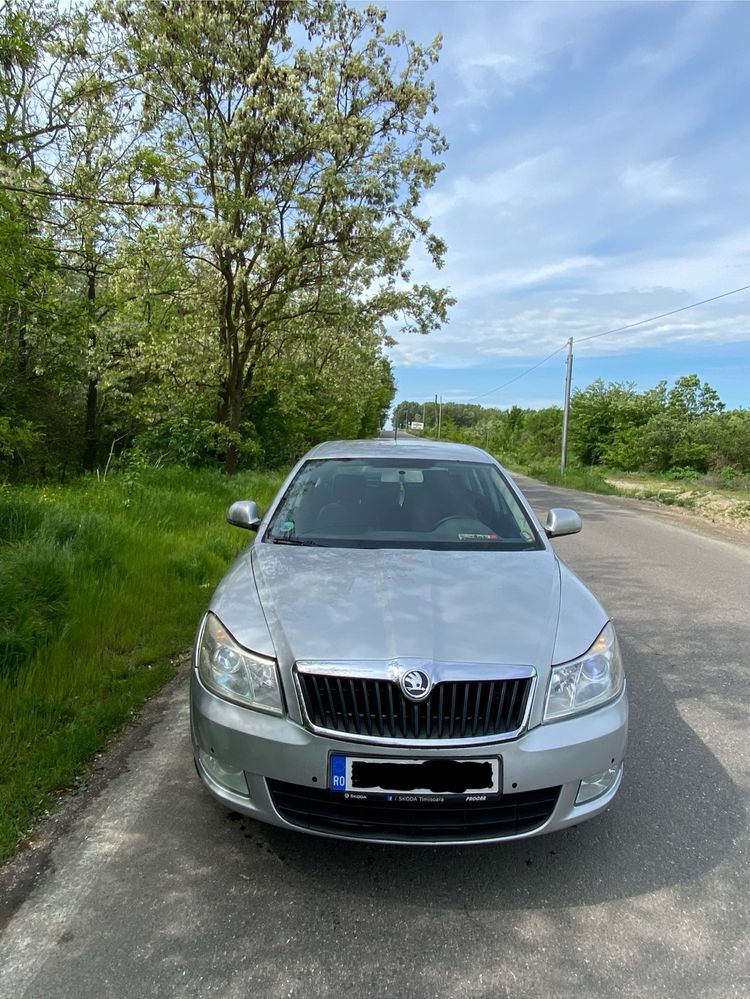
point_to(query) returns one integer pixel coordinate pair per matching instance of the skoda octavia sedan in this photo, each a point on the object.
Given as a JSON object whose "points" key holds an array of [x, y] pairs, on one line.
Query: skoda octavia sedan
{"points": [[400, 656]]}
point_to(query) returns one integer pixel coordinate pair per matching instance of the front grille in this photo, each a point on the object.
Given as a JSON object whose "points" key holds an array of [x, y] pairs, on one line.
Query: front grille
{"points": [[330, 811], [454, 709]]}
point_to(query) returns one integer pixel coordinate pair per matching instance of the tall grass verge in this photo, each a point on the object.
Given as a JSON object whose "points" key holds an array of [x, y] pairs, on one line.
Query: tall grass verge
{"points": [[101, 585], [590, 480]]}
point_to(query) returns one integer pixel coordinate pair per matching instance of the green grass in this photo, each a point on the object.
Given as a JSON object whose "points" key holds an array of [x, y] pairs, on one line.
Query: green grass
{"points": [[591, 480], [101, 586]]}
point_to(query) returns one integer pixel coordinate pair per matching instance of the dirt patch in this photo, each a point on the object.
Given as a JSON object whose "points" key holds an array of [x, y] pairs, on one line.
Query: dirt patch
{"points": [[719, 508]]}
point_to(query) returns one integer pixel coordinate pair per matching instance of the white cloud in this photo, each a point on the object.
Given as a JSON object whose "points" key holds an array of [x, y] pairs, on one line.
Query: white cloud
{"points": [[527, 335], [686, 39], [713, 265], [596, 176], [506, 46], [469, 283], [656, 181], [532, 181]]}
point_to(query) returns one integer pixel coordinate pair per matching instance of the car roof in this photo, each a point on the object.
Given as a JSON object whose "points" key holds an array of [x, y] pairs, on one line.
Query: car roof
{"points": [[408, 447]]}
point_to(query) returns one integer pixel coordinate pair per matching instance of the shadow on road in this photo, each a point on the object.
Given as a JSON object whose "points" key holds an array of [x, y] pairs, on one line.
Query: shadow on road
{"points": [[674, 820]]}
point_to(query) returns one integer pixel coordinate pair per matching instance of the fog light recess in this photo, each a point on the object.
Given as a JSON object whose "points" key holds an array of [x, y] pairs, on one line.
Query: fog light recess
{"points": [[232, 780], [598, 784]]}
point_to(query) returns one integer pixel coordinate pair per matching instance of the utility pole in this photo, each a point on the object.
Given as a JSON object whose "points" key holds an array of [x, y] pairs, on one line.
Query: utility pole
{"points": [[436, 417], [566, 410], [440, 417]]}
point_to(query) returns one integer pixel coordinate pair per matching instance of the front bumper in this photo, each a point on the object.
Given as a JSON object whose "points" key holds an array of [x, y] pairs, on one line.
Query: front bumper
{"points": [[267, 747]]}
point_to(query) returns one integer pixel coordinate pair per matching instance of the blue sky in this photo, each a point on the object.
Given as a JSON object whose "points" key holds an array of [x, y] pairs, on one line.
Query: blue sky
{"points": [[598, 173]]}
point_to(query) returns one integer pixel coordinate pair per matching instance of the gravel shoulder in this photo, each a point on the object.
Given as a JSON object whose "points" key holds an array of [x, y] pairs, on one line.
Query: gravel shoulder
{"points": [[726, 509], [730, 529]]}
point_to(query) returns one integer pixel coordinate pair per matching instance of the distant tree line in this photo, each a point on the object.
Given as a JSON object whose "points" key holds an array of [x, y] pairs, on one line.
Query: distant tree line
{"points": [[685, 428], [206, 216]]}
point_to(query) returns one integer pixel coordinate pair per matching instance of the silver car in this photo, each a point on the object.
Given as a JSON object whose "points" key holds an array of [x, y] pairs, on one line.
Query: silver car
{"points": [[400, 656]]}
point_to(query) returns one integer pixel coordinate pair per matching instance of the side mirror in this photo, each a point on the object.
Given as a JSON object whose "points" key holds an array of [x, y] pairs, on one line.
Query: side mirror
{"points": [[562, 521], [244, 513]]}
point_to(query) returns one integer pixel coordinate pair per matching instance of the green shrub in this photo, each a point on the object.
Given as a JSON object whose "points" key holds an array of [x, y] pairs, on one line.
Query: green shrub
{"points": [[680, 474]]}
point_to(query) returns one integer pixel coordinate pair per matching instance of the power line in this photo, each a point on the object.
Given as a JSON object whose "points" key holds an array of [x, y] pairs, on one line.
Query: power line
{"points": [[54, 195], [618, 329], [522, 375], [652, 319]]}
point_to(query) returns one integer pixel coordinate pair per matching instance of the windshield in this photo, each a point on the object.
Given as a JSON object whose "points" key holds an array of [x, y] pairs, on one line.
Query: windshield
{"points": [[402, 503]]}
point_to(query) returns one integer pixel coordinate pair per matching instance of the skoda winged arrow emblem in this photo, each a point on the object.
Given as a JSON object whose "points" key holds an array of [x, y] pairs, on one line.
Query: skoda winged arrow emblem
{"points": [[415, 684]]}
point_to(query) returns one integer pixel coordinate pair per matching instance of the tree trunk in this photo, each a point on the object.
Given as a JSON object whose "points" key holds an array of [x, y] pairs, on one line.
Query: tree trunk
{"points": [[89, 433], [92, 393], [230, 409], [233, 422]]}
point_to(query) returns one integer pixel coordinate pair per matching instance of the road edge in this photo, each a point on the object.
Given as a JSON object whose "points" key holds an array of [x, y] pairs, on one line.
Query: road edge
{"points": [[33, 857], [678, 516]]}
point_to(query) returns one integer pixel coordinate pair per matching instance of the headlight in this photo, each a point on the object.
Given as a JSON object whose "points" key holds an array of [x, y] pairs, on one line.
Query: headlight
{"points": [[232, 672], [588, 682]]}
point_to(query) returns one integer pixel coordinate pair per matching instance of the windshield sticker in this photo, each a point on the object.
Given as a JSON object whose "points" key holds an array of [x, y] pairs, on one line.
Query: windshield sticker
{"points": [[477, 537], [286, 527]]}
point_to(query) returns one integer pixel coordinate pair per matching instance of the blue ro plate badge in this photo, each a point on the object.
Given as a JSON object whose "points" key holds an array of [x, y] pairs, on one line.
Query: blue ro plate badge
{"points": [[426, 778]]}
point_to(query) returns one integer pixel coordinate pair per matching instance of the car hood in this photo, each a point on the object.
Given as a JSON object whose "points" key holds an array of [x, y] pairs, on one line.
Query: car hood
{"points": [[348, 604]]}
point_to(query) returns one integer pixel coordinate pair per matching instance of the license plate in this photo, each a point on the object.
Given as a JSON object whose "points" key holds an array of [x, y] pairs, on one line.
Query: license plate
{"points": [[435, 776]]}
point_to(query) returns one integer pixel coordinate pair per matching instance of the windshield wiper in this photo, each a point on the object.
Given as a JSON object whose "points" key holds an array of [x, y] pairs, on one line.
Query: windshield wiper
{"points": [[295, 541]]}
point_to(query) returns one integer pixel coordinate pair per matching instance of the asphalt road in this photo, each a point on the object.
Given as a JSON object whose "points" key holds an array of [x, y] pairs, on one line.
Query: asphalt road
{"points": [[144, 887]]}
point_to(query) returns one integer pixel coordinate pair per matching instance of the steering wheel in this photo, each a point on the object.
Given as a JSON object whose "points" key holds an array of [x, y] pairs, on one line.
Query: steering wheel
{"points": [[447, 520]]}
